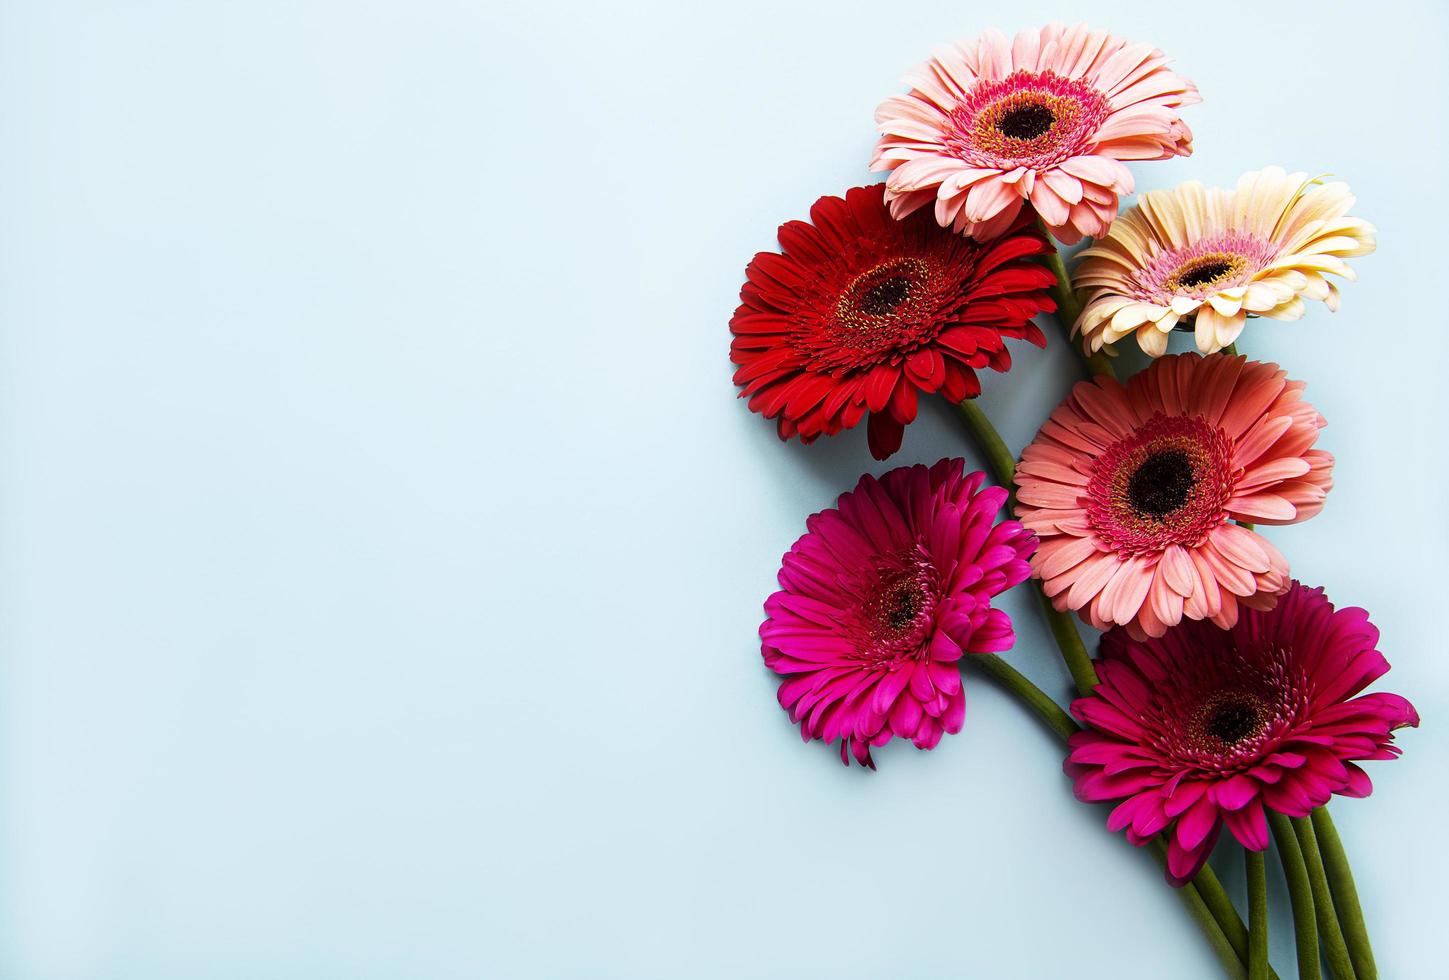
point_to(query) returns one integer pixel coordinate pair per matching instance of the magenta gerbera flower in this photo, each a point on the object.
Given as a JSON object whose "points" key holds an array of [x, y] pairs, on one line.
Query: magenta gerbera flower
{"points": [[880, 598], [1206, 727]]}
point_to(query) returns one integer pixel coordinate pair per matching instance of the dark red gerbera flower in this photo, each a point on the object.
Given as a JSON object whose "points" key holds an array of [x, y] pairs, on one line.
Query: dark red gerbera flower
{"points": [[1204, 727], [861, 311]]}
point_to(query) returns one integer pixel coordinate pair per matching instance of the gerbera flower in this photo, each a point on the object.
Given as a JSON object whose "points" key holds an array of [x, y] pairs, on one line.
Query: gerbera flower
{"points": [[991, 124], [1133, 489], [1216, 257], [879, 600], [862, 311], [1205, 727]]}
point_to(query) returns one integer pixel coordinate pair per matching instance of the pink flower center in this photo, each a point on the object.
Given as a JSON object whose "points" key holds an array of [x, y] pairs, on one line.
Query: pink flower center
{"points": [[1202, 268], [895, 610], [1167, 483], [1027, 119]]}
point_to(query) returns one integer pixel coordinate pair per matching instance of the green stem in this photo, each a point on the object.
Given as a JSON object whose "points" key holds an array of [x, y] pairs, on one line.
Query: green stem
{"points": [[1203, 896], [1069, 308], [1003, 468], [1016, 683], [1345, 895], [1257, 915], [998, 458], [1069, 642], [1300, 892], [1339, 963], [1217, 900], [1202, 914]]}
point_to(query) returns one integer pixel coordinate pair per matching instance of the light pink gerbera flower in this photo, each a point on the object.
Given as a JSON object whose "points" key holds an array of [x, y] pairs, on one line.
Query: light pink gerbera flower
{"points": [[1133, 489], [1206, 727], [1048, 118], [880, 598], [1214, 257]]}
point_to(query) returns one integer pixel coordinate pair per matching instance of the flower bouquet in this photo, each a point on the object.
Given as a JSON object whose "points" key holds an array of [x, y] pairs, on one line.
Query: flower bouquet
{"points": [[1224, 694]]}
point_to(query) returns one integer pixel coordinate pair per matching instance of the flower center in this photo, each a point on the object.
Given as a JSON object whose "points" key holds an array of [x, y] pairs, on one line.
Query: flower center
{"points": [[1225, 704], [1166, 483], [1232, 717], [1161, 484], [885, 296], [895, 608], [1025, 122], [1031, 119], [900, 605], [1204, 273], [1233, 720], [1201, 268], [882, 310], [1210, 270]]}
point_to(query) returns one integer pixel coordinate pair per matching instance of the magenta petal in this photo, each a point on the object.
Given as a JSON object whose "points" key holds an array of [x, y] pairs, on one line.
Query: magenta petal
{"points": [[1236, 792], [1249, 825], [889, 688], [1123, 815], [955, 716], [905, 717], [1186, 795], [1194, 826], [993, 635], [1359, 784], [1183, 864], [943, 649]]}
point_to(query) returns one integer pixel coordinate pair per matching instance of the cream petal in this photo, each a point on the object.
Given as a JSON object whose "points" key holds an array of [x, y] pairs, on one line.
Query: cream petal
{"points": [[1183, 305], [1152, 339], [1209, 326], [1226, 306]]}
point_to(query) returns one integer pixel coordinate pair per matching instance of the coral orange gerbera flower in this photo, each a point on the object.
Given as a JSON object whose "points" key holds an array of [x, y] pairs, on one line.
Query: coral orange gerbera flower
{"points": [[1214, 257], [1133, 489], [990, 125], [862, 312]]}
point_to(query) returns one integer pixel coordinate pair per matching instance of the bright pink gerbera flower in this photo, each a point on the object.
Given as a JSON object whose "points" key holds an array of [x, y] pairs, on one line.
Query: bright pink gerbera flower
{"points": [[991, 124], [1205, 727], [1133, 489], [880, 598], [862, 312]]}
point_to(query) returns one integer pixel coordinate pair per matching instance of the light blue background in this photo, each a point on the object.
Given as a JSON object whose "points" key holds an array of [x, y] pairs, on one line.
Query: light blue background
{"points": [[382, 545]]}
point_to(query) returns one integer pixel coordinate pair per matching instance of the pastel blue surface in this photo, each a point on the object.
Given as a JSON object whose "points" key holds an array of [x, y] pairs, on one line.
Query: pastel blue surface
{"points": [[382, 544]]}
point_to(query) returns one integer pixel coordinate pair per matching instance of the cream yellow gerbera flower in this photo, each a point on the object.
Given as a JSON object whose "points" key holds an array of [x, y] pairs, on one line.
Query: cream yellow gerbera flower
{"points": [[1214, 257]]}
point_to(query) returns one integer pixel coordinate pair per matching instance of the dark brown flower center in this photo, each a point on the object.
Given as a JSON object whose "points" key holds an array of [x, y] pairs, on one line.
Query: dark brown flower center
{"points": [[1204, 274], [1161, 484], [885, 296], [896, 603], [896, 610], [1233, 720], [1213, 270], [882, 309], [1025, 122], [901, 607]]}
